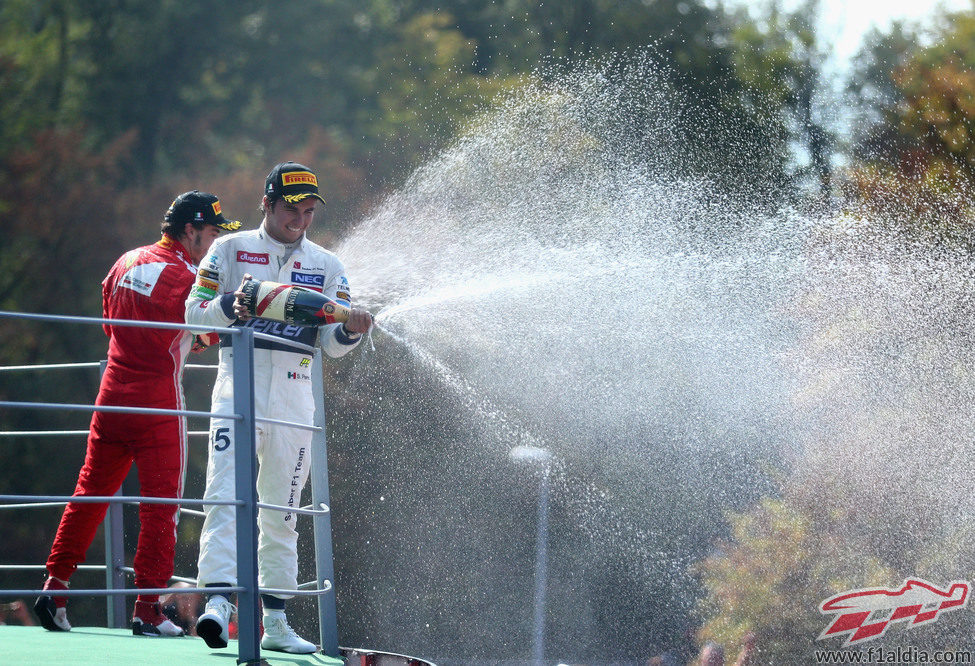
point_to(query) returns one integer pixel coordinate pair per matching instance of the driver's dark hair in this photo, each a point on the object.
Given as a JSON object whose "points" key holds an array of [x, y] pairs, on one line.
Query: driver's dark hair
{"points": [[177, 230], [270, 205]]}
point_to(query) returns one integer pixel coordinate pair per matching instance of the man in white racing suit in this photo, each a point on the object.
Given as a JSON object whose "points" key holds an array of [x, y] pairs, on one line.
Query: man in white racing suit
{"points": [[278, 251]]}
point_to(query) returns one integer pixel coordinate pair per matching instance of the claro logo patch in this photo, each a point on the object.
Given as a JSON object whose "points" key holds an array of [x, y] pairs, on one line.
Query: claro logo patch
{"points": [[252, 258]]}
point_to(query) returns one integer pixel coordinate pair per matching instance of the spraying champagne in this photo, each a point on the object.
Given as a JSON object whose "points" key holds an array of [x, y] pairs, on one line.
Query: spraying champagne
{"points": [[291, 305]]}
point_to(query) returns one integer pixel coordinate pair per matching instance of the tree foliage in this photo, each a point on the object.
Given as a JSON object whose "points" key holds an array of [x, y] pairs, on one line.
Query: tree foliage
{"points": [[779, 59], [916, 141], [781, 563], [939, 106]]}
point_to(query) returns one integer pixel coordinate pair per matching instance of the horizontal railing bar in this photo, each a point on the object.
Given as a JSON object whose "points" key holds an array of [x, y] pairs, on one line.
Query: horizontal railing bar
{"points": [[42, 433], [53, 433], [292, 424], [303, 589], [39, 567], [30, 505], [116, 409], [120, 592], [51, 366], [115, 499], [164, 590], [86, 364], [88, 567], [115, 322], [299, 593], [291, 509], [179, 579], [131, 410], [85, 567]]}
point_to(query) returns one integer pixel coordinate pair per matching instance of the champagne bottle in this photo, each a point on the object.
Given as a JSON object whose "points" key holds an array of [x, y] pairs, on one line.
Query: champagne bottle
{"points": [[291, 305]]}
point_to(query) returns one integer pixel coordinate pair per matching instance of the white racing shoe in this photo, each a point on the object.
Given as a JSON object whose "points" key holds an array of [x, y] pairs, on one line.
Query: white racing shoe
{"points": [[280, 637], [213, 625]]}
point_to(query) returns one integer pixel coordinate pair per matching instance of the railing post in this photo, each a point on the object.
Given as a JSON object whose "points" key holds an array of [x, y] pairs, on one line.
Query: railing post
{"points": [[114, 561], [245, 464], [324, 566], [114, 555], [541, 564]]}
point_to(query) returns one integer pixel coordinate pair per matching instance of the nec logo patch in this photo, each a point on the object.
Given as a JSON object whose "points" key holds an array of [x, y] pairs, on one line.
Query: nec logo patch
{"points": [[308, 279], [251, 258]]}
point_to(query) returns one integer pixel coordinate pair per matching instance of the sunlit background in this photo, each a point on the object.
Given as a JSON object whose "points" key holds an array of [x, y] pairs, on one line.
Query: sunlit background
{"points": [[710, 265]]}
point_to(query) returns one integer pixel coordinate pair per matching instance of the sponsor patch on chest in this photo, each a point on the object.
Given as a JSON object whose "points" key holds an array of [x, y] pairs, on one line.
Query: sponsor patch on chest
{"points": [[244, 257], [142, 278], [307, 279]]}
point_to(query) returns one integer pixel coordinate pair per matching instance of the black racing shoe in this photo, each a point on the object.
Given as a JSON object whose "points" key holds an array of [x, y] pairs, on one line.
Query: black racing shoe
{"points": [[148, 620], [53, 613]]}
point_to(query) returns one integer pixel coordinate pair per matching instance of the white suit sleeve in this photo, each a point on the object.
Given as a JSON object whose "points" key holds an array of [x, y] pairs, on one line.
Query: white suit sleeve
{"points": [[333, 339], [207, 304]]}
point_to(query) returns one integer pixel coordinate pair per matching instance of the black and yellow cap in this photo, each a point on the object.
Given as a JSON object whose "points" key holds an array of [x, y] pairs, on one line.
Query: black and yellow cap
{"points": [[199, 207], [292, 182]]}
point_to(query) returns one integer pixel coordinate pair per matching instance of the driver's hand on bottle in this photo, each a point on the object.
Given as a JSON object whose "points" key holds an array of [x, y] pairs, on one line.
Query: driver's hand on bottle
{"points": [[360, 321], [240, 310]]}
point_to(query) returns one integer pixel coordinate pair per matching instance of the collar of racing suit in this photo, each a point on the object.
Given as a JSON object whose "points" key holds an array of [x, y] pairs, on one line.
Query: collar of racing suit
{"points": [[170, 243], [281, 251]]}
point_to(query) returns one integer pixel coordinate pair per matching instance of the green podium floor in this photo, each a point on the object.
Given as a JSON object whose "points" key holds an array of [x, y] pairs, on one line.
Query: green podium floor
{"points": [[95, 646]]}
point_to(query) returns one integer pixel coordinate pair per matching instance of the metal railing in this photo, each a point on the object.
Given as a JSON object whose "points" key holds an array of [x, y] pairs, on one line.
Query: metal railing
{"points": [[245, 460]]}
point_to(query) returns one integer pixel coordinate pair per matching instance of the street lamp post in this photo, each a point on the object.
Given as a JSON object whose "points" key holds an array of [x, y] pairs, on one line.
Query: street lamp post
{"points": [[541, 457]]}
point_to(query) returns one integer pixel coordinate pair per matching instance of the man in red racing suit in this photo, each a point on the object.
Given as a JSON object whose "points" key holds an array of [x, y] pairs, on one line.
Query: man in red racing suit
{"points": [[145, 367]]}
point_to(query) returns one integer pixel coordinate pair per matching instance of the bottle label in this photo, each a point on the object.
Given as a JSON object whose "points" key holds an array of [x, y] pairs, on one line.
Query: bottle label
{"points": [[327, 313], [269, 300], [292, 304], [293, 315]]}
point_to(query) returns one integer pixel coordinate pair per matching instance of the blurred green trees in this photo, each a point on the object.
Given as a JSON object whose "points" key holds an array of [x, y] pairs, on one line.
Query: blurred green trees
{"points": [[907, 183], [914, 151], [213, 88], [210, 95]]}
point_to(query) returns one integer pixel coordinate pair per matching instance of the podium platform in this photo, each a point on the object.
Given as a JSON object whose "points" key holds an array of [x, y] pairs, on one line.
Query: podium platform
{"points": [[97, 646]]}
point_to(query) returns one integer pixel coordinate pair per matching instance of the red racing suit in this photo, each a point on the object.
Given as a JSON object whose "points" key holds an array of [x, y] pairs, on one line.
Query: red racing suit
{"points": [[145, 368]]}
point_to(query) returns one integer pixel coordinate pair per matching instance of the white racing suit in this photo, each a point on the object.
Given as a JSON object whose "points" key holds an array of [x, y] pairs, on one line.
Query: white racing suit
{"points": [[282, 390]]}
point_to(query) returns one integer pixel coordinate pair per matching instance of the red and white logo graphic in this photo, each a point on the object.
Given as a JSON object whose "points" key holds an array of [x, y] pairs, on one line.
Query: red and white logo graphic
{"points": [[252, 258], [863, 615]]}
